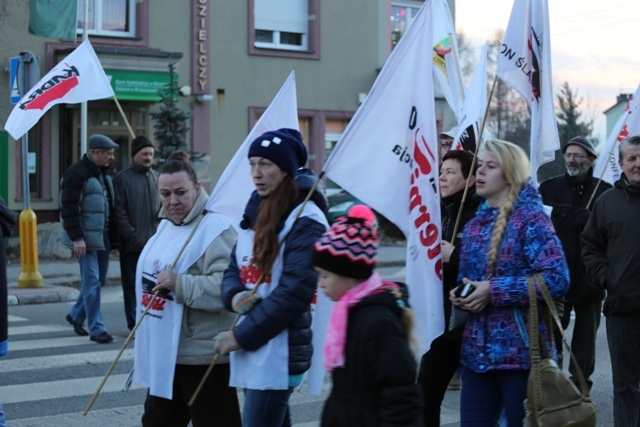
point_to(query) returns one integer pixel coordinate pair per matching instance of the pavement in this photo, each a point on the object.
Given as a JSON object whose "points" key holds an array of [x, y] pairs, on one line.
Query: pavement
{"points": [[61, 278]]}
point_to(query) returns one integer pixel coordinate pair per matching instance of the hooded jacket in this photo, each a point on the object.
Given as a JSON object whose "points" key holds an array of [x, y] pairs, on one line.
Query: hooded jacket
{"points": [[493, 338], [570, 214], [376, 387], [289, 305], [610, 248]]}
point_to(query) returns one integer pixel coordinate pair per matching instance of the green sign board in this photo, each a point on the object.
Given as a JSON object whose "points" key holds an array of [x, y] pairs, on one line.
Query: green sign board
{"points": [[137, 85]]}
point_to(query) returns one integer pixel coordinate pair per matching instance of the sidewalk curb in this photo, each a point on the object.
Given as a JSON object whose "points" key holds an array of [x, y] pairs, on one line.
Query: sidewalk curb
{"points": [[45, 294]]}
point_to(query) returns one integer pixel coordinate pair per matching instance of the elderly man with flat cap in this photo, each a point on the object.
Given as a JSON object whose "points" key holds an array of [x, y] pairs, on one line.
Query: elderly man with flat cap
{"points": [[570, 196], [136, 216], [86, 202]]}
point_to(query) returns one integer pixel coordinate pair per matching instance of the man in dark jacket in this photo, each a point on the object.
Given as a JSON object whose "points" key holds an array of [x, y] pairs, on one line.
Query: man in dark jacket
{"points": [[136, 216], [439, 364], [86, 201], [571, 196], [611, 252]]}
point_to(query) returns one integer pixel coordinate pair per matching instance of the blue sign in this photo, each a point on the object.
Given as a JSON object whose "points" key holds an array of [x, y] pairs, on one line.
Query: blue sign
{"points": [[13, 81]]}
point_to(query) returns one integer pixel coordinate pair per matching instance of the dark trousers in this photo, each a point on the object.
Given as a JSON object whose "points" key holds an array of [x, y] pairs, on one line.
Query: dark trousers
{"points": [[436, 369], [623, 337], [583, 340], [216, 405], [490, 398], [128, 263]]}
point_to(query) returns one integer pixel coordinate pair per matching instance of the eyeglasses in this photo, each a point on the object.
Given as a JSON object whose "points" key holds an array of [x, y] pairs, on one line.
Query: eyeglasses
{"points": [[577, 156]]}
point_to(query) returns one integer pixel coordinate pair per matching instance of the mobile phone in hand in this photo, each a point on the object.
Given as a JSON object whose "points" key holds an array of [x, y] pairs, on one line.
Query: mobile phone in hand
{"points": [[464, 290]]}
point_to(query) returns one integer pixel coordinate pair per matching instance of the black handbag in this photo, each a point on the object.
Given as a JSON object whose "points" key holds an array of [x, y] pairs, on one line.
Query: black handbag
{"points": [[553, 400]]}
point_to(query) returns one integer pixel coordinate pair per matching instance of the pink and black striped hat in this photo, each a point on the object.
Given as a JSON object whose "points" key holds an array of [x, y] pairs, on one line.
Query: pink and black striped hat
{"points": [[350, 247]]}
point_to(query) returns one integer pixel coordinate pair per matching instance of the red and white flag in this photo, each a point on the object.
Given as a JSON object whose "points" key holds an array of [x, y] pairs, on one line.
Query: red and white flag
{"points": [[388, 158], [607, 165], [446, 65], [231, 193], [473, 108], [525, 64], [77, 78]]}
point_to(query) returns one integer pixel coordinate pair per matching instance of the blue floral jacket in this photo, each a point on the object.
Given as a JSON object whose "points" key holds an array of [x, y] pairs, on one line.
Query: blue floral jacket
{"points": [[493, 338]]}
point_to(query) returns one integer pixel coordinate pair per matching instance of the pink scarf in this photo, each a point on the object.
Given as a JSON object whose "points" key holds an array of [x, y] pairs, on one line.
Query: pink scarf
{"points": [[337, 332]]}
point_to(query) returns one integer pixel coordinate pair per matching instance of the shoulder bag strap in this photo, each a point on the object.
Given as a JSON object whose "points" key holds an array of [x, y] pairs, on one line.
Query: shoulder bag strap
{"points": [[534, 341], [538, 280]]}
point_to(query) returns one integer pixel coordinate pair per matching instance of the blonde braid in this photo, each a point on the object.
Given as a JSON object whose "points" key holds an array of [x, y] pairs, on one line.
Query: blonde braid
{"points": [[498, 230]]}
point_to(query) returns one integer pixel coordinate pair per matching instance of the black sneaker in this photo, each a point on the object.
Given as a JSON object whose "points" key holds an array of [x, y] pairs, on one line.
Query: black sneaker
{"points": [[101, 338], [77, 327]]}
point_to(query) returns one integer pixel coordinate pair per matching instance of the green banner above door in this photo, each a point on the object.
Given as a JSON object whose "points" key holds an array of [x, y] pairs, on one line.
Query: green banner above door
{"points": [[137, 85]]}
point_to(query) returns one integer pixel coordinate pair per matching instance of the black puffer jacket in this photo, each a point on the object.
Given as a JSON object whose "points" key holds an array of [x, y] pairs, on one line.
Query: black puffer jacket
{"points": [[86, 204], [449, 207], [289, 305], [610, 248], [376, 387], [569, 199]]}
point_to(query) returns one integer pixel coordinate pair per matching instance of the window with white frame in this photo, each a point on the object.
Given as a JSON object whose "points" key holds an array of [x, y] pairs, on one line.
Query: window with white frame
{"points": [[281, 24], [111, 18], [402, 15]]}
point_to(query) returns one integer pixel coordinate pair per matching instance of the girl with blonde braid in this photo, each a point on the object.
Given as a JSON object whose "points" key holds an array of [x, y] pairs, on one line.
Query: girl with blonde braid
{"points": [[510, 239]]}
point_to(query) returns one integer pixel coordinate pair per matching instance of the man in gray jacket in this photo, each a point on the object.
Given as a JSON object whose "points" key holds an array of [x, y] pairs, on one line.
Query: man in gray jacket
{"points": [[86, 200], [136, 215]]}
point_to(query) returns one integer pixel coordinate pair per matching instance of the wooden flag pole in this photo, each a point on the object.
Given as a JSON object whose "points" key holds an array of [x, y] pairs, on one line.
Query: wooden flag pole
{"points": [[475, 159]]}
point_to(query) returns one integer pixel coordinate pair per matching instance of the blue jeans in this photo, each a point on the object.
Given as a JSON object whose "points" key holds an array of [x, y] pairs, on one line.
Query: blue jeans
{"points": [[93, 273], [623, 336], [485, 395], [266, 408], [3, 421]]}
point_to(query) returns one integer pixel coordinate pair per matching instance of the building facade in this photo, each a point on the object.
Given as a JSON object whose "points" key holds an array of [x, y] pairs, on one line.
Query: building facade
{"points": [[232, 58]]}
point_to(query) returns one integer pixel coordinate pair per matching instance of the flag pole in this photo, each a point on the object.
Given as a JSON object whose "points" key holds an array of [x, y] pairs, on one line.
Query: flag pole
{"points": [[475, 160], [253, 291], [124, 117], [83, 105], [457, 63], [126, 342], [604, 169]]}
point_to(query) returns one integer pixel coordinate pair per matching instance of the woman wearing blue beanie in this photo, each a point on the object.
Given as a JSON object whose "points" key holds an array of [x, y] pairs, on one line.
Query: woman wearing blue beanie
{"points": [[270, 347]]}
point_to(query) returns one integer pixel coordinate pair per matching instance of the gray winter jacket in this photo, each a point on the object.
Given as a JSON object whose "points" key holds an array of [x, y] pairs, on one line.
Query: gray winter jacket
{"points": [[86, 199]]}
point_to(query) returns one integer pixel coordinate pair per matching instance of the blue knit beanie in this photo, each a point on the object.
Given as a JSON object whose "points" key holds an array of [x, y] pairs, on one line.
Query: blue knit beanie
{"points": [[284, 147]]}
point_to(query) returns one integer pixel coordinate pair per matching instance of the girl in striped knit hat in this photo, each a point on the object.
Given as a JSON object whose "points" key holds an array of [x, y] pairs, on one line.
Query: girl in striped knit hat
{"points": [[367, 348]]}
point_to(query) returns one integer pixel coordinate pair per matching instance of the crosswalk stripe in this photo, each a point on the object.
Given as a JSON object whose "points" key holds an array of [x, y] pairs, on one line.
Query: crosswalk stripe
{"points": [[112, 417], [57, 389], [16, 319], [49, 343], [34, 329], [63, 360]]}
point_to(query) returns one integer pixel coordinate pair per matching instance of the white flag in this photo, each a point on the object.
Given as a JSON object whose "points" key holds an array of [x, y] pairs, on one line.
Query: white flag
{"points": [[525, 64], [388, 158], [628, 124], [474, 105], [77, 78], [446, 66], [235, 185]]}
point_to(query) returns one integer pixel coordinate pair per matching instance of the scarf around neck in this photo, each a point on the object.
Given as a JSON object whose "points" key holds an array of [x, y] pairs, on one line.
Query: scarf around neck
{"points": [[334, 347]]}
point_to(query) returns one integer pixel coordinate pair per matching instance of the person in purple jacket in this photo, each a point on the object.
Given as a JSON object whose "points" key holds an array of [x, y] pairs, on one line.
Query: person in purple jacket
{"points": [[271, 344], [510, 238]]}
